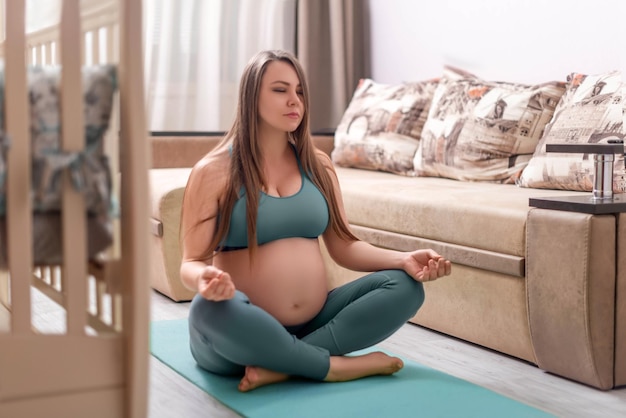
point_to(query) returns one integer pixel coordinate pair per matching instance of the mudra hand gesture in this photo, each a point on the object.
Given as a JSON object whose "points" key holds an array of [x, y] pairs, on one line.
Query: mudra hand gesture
{"points": [[215, 284], [427, 265]]}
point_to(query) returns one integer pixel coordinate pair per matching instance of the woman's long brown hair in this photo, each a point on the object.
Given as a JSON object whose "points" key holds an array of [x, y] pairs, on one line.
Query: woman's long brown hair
{"points": [[246, 165]]}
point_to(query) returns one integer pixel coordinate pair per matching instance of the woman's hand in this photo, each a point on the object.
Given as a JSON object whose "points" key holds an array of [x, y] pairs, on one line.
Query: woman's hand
{"points": [[427, 265], [215, 284]]}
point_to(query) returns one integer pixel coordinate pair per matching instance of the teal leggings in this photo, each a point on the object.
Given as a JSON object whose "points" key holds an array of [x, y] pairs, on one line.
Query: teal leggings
{"points": [[226, 336]]}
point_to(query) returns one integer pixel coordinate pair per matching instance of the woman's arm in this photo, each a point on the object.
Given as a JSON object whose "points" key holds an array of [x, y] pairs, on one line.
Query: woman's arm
{"points": [[423, 265], [198, 225]]}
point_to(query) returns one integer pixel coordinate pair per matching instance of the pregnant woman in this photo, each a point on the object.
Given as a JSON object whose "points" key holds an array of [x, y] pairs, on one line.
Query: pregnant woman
{"points": [[254, 211]]}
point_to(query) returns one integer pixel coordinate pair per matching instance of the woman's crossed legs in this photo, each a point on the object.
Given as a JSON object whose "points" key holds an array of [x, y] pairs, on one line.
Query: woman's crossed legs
{"points": [[235, 337]]}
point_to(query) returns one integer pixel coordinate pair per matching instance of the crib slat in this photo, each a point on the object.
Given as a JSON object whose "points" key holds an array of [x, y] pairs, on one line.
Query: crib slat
{"points": [[110, 44], [38, 55], [55, 56], [45, 53], [4, 288], [74, 222], [19, 208], [95, 47], [2, 21], [135, 207], [86, 48]]}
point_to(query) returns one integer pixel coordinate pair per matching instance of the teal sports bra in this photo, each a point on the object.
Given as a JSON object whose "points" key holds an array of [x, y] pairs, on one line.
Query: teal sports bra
{"points": [[303, 214]]}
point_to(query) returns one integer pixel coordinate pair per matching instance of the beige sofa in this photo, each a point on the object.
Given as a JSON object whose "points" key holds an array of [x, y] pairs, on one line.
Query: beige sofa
{"points": [[545, 286]]}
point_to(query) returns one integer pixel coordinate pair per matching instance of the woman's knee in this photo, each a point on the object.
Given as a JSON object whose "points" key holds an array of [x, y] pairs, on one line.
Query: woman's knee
{"points": [[203, 313], [201, 308], [410, 292], [214, 329], [203, 350]]}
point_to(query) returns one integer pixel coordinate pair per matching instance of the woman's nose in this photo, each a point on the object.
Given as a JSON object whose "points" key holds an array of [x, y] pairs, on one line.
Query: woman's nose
{"points": [[294, 99]]}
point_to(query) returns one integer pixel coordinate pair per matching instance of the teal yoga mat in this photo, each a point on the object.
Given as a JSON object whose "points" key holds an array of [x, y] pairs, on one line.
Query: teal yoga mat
{"points": [[415, 391]]}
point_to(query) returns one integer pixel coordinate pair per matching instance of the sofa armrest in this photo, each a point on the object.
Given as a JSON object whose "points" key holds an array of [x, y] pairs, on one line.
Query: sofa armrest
{"points": [[571, 278]]}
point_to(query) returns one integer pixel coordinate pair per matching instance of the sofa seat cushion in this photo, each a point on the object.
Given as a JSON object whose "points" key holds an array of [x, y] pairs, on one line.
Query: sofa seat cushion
{"points": [[478, 215]]}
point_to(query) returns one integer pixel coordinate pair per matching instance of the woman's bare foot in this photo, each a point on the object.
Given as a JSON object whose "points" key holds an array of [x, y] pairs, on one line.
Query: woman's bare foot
{"points": [[257, 376], [343, 368]]}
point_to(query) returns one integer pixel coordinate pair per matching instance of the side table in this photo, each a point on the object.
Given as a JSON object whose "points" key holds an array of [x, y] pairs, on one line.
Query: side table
{"points": [[602, 200], [583, 204]]}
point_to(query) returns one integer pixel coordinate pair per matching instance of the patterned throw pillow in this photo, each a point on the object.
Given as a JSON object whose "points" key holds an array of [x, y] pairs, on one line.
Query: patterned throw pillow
{"points": [[590, 111], [483, 130], [381, 127]]}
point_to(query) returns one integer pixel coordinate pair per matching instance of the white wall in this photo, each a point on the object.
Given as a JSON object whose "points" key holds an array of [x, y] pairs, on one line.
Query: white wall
{"points": [[524, 41]]}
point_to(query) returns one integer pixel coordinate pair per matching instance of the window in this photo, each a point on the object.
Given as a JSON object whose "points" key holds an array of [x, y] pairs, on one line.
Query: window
{"points": [[195, 52]]}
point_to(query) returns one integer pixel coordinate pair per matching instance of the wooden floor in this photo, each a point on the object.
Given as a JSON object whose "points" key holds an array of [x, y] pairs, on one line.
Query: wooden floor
{"points": [[171, 396]]}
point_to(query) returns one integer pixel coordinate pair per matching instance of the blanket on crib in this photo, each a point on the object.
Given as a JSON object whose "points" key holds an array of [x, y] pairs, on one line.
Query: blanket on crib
{"points": [[89, 169]]}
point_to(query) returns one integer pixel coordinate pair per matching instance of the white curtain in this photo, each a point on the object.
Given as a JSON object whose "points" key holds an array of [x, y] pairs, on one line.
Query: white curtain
{"points": [[195, 51]]}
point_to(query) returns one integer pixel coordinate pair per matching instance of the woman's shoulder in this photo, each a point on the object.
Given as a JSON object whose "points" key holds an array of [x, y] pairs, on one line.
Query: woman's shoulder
{"points": [[214, 167], [324, 159], [216, 160]]}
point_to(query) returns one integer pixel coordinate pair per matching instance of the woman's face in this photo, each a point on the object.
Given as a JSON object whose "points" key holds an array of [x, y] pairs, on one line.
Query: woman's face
{"points": [[281, 104]]}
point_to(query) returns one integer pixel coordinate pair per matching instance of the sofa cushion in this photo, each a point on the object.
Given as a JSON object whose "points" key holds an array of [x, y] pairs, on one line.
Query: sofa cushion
{"points": [[381, 127], [484, 216], [481, 130], [590, 111]]}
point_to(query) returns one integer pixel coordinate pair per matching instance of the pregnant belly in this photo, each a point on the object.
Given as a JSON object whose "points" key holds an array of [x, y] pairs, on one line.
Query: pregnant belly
{"points": [[287, 278]]}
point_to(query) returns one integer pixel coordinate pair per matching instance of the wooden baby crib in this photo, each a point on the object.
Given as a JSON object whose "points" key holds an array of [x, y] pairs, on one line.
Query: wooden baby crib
{"points": [[90, 355]]}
